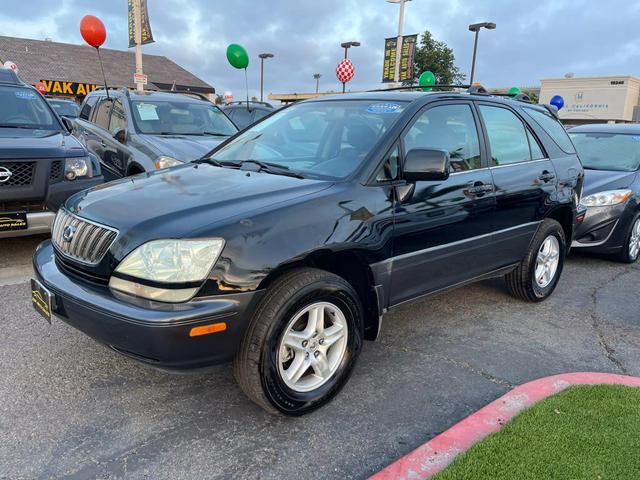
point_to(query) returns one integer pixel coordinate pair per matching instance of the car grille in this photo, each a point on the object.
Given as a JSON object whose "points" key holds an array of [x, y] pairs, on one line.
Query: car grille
{"points": [[81, 240], [55, 173], [21, 174]]}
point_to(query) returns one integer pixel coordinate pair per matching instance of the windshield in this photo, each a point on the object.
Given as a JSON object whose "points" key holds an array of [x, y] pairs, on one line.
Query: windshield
{"points": [[608, 151], [65, 109], [180, 118], [25, 108], [326, 139]]}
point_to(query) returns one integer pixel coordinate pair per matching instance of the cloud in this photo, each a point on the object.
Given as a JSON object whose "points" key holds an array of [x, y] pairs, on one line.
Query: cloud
{"points": [[537, 40]]}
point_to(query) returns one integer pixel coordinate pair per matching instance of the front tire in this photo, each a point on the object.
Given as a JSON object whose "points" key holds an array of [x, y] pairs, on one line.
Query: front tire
{"points": [[302, 343], [537, 275], [631, 249]]}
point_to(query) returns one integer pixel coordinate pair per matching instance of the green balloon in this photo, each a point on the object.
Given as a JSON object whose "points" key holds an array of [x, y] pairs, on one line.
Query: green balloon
{"points": [[427, 78], [514, 91], [237, 56]]}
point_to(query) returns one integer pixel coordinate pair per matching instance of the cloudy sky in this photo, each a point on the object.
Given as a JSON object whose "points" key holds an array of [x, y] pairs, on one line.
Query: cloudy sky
{"points": [[533, 40]]}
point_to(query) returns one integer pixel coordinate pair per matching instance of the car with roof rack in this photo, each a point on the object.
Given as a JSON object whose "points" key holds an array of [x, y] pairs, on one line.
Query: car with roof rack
{"points": [[64, 108], [284, 248], [134, 132], [41, 163]]}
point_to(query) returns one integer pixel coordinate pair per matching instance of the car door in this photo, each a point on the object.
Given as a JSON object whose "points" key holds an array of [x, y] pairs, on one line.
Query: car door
{"points": [[524, 180], [442, 228]]}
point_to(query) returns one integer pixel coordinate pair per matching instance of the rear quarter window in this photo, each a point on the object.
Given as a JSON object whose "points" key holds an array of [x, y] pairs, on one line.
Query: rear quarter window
{"points": [[553, 127]]}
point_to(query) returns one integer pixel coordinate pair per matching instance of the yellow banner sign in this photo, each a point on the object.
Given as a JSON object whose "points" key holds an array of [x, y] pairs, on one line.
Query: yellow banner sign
{"points": [[59, 87]]}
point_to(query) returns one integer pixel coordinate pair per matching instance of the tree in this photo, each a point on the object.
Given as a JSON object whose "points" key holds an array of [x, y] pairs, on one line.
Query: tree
{"points": [[533, 96], [437, 57]]}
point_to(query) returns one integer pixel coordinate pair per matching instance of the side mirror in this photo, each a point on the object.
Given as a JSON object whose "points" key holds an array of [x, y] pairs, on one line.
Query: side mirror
{"points": [[68, 123], [120, 135], [426, 164]]}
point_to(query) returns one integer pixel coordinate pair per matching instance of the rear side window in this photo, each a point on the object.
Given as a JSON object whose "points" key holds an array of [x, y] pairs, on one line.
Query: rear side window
{"points": [[553, 127], [507, 134], [102, 114], [89, 103]]}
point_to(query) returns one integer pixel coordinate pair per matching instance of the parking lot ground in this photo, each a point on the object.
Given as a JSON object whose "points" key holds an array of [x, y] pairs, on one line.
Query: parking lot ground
{"points": [[74, 409]]}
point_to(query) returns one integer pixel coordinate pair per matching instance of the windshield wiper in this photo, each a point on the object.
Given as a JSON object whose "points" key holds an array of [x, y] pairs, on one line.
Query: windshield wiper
{"points": [[18, 126], [217, 163], [273, 168]]}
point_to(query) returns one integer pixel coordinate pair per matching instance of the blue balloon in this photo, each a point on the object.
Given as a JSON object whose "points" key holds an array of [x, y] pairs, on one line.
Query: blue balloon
{"points": [[557, 101]]}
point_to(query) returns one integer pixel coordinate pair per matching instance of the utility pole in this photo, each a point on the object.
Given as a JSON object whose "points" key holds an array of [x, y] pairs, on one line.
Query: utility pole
{"points": [[396, 72], [137, 19], [317, 77]]}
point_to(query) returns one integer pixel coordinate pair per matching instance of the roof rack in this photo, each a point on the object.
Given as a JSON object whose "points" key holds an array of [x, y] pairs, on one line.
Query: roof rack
{"points": [[243, 102], [552, 109], [201, 96], [114, 87], [420, 87]]}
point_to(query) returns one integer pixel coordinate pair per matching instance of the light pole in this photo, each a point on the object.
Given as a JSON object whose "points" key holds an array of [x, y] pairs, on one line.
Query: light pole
{"points": [[262, 57], [317, 78], [476, 27], [347, 46], [396, 71]]}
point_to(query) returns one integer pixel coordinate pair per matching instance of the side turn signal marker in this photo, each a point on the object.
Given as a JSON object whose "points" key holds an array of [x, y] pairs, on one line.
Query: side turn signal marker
{"points": [[207, 329]]}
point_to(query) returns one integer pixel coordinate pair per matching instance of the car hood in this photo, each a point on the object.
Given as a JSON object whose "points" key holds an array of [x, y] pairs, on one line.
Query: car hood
{"points": [[182, 147], [22, 144], [174, 202], [601, 180]]}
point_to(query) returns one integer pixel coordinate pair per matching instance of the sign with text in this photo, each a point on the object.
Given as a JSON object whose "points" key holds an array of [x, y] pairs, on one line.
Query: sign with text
{"points": [[146, 36], [140, 78], [406, 58], [59, 87]]}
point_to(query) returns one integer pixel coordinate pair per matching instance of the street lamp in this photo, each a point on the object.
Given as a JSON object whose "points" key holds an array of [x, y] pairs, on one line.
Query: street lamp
{"points": [[476, 27], [347, 46], [396, 71], [317, 78], [262, 57]]}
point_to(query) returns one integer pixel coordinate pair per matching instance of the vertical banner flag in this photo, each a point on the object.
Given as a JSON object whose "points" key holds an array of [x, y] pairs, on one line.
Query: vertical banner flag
{"points": [[147, 36], [406, 58]]}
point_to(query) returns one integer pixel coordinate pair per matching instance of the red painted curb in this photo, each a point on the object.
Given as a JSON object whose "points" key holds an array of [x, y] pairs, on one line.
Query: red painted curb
{"points": [[433, 456]]}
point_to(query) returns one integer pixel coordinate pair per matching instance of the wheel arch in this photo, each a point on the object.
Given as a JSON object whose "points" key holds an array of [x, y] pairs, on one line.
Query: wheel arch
{"points": [[349, 265], [564, 216]]}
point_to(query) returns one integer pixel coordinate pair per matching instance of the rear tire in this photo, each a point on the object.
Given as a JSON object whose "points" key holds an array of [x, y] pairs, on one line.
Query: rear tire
{"points": [[282, 340], [537, 275], [631, 249]]}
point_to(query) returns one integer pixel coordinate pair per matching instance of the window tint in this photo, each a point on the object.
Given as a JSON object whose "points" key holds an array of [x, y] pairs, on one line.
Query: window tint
{"points": [[242, 117], [536, 149], [258, 114], [451, 128], [118, 117], [553, 127], [102, 114], [507, 136], [389, 170], [86, 108]]}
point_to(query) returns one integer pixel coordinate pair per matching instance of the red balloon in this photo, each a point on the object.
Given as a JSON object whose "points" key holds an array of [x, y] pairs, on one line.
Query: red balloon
{"points": [[93, 31], [40, 86]]}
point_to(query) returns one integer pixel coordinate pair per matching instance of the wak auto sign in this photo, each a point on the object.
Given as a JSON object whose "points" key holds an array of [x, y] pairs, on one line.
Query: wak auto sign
{"points": [[60, 87]]}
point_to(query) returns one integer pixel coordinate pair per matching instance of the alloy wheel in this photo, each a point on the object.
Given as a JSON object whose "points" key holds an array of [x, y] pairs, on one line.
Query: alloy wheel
{"points": [[313, 346], [547, 261], [634, 240]]}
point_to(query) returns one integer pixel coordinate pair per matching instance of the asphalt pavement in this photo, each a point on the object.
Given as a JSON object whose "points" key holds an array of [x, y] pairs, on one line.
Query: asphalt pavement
{"points": [[70, 408]]}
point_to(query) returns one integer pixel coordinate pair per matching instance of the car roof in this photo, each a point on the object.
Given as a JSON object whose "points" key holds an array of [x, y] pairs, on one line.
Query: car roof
{"points": [[252, 106], [623, 128], [150, 95]]}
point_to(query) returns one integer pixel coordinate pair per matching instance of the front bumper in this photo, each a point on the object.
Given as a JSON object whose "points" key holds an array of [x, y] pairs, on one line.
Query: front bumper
{"points": [[603, 229], [37, 222], [156, 333]]}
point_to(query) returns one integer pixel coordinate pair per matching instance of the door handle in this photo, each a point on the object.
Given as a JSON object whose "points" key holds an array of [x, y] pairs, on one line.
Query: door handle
{"points": [[104, 145], [546, 176]]}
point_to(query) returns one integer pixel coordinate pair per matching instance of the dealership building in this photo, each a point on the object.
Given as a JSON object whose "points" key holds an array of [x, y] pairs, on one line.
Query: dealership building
{"points": [[72, 71], [595, 99]]}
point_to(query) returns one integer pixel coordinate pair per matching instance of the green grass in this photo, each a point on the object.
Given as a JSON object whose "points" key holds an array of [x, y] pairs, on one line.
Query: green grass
{"points": [[590, 432]]}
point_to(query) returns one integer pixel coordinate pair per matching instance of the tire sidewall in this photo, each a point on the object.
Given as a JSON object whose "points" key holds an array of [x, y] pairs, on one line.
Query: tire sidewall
{"points": [[626, 257], [277, 392], [549, 229]]}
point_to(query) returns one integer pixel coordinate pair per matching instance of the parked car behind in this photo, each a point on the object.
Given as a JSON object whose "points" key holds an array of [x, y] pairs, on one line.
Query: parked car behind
{"points": [[283, 249], [65, 108], [610, 155], [41, 164], [134, 132], [243, 115]]}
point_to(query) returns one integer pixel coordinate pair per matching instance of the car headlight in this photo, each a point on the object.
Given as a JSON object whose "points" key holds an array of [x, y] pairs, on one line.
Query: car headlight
{"points": [[169, 270], [77, 167], [165, 162], [608, 198]]}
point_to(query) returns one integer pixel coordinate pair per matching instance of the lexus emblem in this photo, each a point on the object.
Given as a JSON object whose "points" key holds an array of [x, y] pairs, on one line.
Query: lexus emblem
{"points": [[68, 233], [5, 174]]}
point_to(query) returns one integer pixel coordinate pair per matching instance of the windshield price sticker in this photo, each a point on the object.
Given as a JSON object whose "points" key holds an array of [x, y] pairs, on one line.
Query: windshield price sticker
{"points": [[147, 111], [384, 108]]}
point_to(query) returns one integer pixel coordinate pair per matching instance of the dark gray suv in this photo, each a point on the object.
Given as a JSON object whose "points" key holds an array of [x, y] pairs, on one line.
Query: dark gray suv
{"points": [[133, 132]]}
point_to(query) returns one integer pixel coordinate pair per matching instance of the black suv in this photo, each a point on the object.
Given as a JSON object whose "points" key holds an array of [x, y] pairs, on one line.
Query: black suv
{"points": [[244, 114], [133, 132], [283, 249], [41, 164]]}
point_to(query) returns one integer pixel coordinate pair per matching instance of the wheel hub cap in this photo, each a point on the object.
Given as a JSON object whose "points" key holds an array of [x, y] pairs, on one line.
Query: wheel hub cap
{"points": [[312, 346], [547, 261]]}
